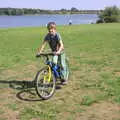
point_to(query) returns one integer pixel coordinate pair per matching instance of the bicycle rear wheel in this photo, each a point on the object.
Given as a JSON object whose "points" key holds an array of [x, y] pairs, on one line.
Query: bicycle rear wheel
{"points": [[45, 83]]}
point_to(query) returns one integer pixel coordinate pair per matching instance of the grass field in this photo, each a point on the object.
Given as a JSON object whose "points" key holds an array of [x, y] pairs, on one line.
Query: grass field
{"points": [[93, 92]]}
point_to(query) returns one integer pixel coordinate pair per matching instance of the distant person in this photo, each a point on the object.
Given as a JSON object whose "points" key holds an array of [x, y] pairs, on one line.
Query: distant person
{"points": [[55, 42], [70, 22]]}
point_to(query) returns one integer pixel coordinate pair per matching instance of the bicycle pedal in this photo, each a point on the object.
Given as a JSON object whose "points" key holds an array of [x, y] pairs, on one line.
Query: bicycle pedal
{"points": [[58, 87]]}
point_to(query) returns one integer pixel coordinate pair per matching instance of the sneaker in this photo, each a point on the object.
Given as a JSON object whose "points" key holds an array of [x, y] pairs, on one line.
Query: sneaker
{"points": [[64, 82]]}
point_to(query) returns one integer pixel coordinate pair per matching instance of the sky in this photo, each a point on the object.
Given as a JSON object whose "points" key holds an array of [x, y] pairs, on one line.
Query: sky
{"points": [[60, 4]]}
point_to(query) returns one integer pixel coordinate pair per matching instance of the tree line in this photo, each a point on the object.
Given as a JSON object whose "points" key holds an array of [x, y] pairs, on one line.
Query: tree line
{"points": [[109, 14], [30, 11]]}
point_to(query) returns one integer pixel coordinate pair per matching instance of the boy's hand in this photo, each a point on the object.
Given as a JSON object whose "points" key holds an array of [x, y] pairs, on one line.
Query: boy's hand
{"points": [[57, 53], [38, 55]]}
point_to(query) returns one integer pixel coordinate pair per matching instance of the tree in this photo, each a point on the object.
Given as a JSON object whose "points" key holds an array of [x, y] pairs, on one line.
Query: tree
{"points": [[64, 11], [109, 15], [73, 9], [9, 11], [2, 12]]}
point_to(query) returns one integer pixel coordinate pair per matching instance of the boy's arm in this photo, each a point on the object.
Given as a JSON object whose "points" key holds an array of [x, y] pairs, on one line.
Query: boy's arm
{"points": [[42, 47], [61, 48]]}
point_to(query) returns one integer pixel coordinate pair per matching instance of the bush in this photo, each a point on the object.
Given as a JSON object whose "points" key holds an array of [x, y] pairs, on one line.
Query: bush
{"points": [[111, 19], [100, 21], [109, 15]]}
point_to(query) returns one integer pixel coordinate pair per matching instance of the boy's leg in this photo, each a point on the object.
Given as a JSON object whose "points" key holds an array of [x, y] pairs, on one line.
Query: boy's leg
{"points": [[55, 59], [64, 69]]}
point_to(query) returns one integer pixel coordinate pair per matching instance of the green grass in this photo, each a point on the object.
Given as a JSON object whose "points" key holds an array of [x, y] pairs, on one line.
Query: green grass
{"points": [[12, 106], [94, 56]]}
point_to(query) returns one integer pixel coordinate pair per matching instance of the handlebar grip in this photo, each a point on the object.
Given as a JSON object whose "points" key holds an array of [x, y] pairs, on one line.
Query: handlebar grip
{"points": [[37, 55]]}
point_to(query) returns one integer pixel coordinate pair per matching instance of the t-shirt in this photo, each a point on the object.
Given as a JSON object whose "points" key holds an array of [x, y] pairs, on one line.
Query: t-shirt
{"points": [[53, 41]]}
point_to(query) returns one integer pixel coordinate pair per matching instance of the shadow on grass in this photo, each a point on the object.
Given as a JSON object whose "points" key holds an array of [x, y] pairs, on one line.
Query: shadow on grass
{"points": [[26, 89]]}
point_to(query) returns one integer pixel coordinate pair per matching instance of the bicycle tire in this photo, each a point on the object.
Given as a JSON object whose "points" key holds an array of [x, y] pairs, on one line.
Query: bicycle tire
{"points": [[43, 83]]}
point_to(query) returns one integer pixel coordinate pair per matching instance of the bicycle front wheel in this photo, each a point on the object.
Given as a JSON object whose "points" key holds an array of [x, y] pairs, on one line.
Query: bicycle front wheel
{"points": [[45, 83]]}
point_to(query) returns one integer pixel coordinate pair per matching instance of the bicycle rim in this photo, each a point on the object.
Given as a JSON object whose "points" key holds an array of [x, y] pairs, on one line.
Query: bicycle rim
{"points": [[45, 83]]}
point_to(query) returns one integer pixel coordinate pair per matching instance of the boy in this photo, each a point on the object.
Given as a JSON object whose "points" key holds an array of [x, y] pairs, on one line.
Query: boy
{"points": [[55, 42]]}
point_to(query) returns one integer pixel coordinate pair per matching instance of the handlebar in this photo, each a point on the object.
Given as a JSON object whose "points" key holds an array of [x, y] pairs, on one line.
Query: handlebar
{"points": [[45, 54]]}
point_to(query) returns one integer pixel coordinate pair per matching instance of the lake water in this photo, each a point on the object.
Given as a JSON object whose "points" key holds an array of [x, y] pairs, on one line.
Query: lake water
{"points": [[42, 20]]}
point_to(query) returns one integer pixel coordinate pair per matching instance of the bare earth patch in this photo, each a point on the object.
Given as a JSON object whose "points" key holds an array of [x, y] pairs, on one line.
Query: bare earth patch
{"points": [[101, 111], [117, 74], [10, 115]]}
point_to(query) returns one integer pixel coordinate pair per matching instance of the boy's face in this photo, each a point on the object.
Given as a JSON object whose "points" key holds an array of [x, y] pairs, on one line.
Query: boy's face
{"points": [[52, 31]]}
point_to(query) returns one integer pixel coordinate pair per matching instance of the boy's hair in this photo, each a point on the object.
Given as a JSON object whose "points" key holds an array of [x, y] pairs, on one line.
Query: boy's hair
{"points": [[51, 25]]}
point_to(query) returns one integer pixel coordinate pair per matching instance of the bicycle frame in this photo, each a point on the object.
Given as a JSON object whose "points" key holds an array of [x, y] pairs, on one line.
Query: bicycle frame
{"points": [[55, 68]]}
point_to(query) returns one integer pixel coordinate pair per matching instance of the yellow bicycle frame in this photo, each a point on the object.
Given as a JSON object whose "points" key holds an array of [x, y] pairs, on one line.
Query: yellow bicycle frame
{"points": [[47, 77]]}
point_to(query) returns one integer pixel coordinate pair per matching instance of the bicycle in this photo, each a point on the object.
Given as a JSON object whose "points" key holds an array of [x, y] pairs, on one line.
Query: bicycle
{"points": [[47, 76]]}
